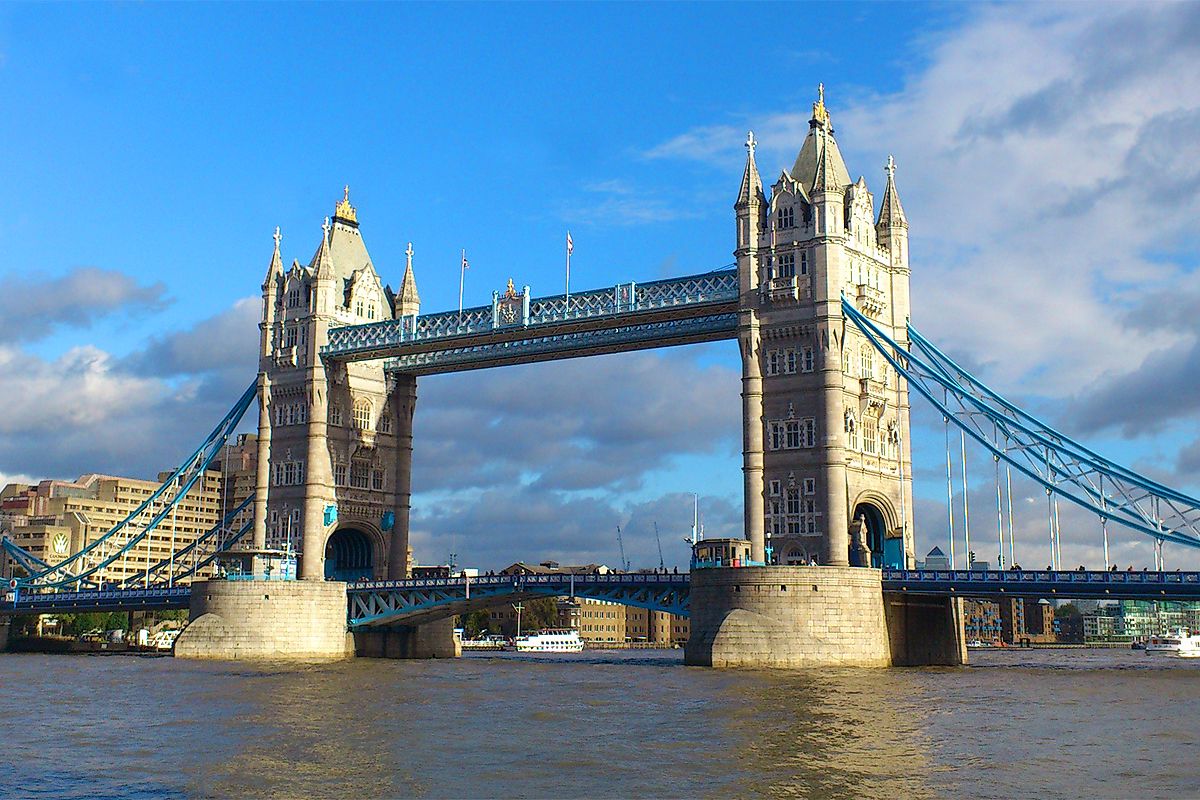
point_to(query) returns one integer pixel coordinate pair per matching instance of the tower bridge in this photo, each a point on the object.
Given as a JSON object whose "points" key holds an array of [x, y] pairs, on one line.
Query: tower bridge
{"points": [[818, 301]]}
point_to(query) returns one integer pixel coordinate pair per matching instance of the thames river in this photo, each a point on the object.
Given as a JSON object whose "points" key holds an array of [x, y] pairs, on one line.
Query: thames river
{"points": [[1043, 724]]}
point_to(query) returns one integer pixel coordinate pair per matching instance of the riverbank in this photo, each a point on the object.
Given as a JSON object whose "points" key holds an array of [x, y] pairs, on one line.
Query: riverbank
{"points": [[63, 645]]}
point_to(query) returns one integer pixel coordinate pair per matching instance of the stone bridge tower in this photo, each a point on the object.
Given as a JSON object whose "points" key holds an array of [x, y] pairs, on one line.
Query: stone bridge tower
{"points": [[827, 461], [335, 440]]}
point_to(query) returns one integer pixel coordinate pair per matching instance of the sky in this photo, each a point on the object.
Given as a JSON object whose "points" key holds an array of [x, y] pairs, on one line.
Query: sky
{"points": [[1046, 159]]}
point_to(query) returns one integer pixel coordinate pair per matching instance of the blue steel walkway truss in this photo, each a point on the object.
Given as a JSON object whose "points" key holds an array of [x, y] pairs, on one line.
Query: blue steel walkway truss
{"points": [[422, 600], [518, 329]]}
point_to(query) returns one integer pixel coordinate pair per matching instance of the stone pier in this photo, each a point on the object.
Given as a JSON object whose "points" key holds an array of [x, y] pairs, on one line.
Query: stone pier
{"points": [[802, 616], [296, 620], [266, 620], [431, 640]]}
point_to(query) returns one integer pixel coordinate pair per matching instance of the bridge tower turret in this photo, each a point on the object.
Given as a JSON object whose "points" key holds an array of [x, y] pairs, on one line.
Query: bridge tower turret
{"points": [[328, 441], [751, 208], [831, 479]]}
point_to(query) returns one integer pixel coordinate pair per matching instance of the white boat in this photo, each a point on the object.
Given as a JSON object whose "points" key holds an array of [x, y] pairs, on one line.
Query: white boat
{"points": [[1181, 643], [552, 640], [976, 644]]}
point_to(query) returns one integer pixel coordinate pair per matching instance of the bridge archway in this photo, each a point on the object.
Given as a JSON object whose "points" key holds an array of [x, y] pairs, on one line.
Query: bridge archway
{"points": [[349, 555], [880, 518]]}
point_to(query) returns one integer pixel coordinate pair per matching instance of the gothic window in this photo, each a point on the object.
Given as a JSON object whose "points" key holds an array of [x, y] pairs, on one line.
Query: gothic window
{"points": [[778, 439], [370, 311], [787, 265], [360, 474], [772, 362], [359, 308], [293, 298], [870, 435], [810, 485], [301, 413], [806, 360], [774, 487], [867, 358], [385, 424], [808, 517], [851, 432], [289, 336], [846, 361], [377, 480], [279, 415], [808, 432], [339, 474], [786, 217], [362, 414], [335, 415], [793, 502], [793, 433], [790, 366], [803, 262]]}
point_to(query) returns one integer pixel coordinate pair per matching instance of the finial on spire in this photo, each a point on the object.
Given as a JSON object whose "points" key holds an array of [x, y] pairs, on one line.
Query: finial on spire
{"points": [[277, 237], [891, 167], [751, 143], [820, 115], [344, 211], [409, 253], [325, 227]]}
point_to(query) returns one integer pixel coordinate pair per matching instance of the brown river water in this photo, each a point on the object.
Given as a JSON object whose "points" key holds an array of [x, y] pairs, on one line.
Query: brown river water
{"points": [[1041, 724]]}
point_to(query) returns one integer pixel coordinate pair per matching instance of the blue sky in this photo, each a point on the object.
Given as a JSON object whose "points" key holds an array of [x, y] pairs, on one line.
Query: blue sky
{"points": [[1047, 169]]}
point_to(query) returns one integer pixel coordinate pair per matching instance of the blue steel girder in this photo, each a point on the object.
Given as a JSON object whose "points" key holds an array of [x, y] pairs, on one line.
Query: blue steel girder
{"points": [[108, 600], [418, 601], [1092, 584], [1060, 465], [558, 318], [622, 339]]}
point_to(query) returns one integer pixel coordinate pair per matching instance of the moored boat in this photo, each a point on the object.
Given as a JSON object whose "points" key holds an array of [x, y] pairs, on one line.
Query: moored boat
{"points": [[551, 640]]}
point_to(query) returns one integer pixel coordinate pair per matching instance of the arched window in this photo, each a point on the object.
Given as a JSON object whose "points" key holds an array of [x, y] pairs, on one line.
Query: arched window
{"points": [[868, 361], [846, 360], [851, 431], [362, 414]]}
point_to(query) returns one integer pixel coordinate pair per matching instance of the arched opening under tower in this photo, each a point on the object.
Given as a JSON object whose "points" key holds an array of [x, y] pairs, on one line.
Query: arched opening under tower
{"points": [[348, 556], [876, 531]]}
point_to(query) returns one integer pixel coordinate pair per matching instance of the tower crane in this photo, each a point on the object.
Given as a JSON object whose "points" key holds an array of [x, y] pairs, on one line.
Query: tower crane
{"points": [[661, 564], [621, 544]]}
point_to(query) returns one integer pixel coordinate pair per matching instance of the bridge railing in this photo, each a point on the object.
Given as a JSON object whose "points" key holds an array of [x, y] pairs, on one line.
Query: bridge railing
{"points": [[622, 578], [1016, 578]]}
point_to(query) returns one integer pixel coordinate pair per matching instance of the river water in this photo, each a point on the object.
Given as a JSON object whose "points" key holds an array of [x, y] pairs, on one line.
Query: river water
{"points": [[1041, 724]]}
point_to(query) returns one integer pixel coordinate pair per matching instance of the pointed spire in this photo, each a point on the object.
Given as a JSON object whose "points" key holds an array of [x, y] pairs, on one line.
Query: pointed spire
{"points": [[819, 166], [324, 263], [408, 302], [891, 213], [275, 269], [752, 188]]}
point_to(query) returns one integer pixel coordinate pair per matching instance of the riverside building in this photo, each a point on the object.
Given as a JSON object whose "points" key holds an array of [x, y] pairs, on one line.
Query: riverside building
{"points": [[55, 519]]}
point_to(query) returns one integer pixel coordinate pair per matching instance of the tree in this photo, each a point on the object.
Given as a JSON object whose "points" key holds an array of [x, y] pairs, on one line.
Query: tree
{"points": [[540, 613], [474, 623], [1067, 610]]}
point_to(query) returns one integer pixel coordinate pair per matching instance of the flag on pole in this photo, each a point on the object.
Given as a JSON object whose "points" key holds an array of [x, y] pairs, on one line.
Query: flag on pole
{"points": [[461, 274], [570, 247]]}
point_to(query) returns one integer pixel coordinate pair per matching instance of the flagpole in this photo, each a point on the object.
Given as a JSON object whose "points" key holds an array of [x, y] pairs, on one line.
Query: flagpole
{"points": [[567, 292], [462, 272]]}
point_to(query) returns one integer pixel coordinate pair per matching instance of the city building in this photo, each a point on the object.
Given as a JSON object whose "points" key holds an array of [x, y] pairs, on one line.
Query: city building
{"points": [[1026, 619], [56, 519], [935, 559], [1127, 620], [981, 620]]}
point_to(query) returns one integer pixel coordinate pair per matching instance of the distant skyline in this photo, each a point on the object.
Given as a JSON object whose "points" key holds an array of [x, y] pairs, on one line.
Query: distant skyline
{"points": [[1045, 157]]}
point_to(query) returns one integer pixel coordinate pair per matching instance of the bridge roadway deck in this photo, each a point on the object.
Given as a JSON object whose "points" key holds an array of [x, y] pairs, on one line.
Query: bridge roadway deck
{"points": [[519, 329], [416, 600]]}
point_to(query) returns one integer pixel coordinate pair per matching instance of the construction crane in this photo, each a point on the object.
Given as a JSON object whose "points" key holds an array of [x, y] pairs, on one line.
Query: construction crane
{"points": [[661, 564], [621, 544]]}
